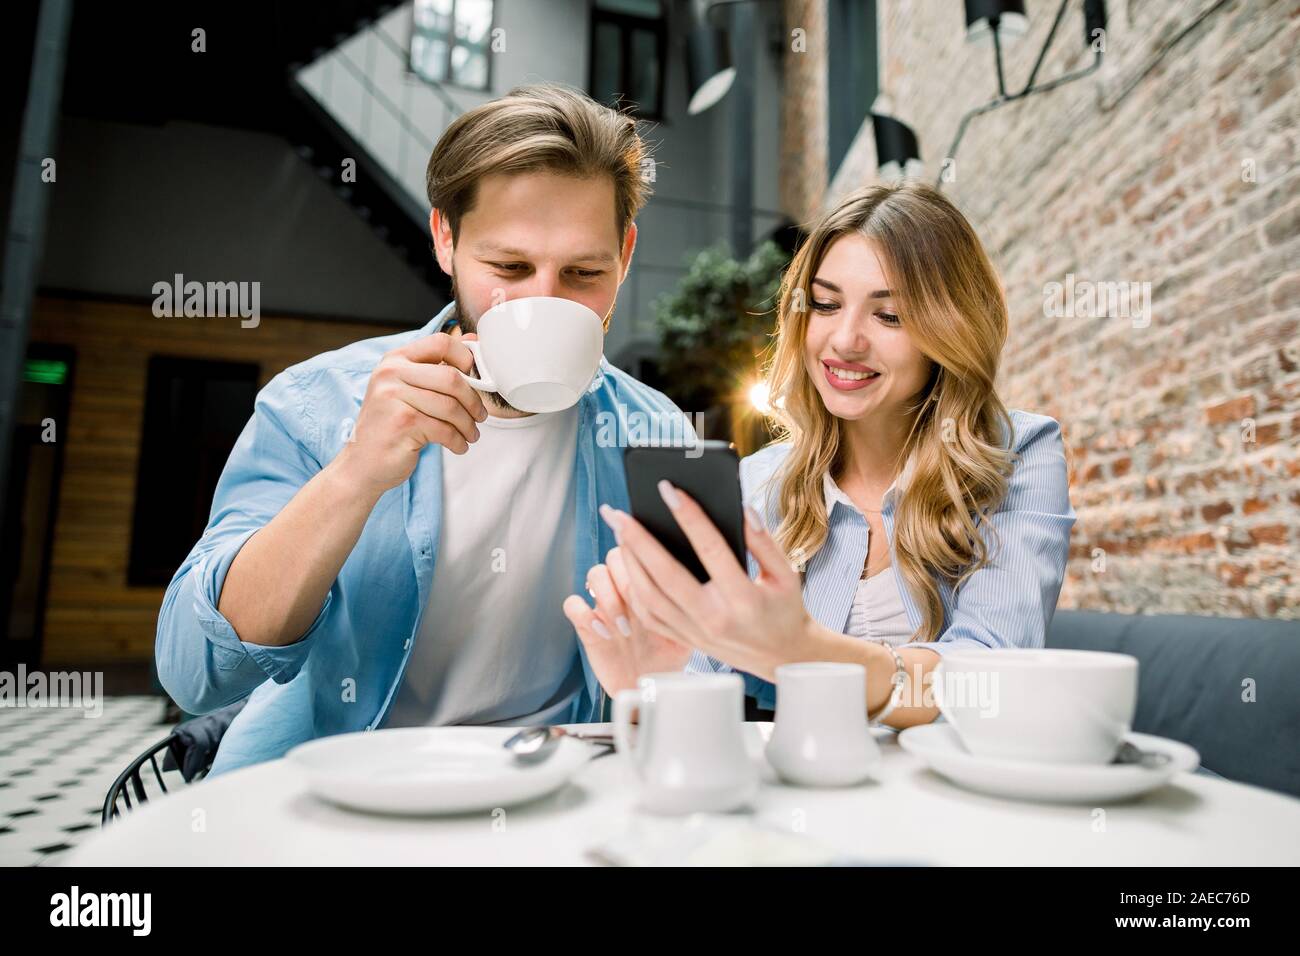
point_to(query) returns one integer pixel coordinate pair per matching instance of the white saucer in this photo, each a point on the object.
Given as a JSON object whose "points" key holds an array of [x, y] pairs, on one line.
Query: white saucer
{"points": [[431, 770], [942, 751]]}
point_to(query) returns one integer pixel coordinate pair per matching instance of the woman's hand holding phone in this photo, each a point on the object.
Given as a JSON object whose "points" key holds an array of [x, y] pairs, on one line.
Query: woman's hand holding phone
{"points": [[752, 624]]}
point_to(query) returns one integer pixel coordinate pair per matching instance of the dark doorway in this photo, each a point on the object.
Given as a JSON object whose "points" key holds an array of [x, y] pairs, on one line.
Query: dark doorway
{"points": [[31, 506], [194, 411]]}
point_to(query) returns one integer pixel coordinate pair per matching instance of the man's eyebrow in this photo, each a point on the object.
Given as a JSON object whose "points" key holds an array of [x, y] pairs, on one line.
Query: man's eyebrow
{"points": [[877, 294], [494, 249]]}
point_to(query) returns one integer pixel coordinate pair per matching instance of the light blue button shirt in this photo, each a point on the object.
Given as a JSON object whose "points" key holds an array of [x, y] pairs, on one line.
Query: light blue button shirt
{"points": [[343, 672], [1007, 603]]}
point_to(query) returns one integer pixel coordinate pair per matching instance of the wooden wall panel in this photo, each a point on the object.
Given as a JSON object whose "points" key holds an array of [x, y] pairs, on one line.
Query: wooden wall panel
{"points": [[91, 614]]}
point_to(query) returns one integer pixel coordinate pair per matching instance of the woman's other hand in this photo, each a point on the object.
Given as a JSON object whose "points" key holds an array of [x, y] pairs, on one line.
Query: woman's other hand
{"points": [[620, 647]]}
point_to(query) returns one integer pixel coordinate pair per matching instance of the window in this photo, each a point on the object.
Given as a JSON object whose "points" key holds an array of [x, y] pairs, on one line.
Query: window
{"points": [[853, 78], [629, 50], [194, 411], [451, 42]]}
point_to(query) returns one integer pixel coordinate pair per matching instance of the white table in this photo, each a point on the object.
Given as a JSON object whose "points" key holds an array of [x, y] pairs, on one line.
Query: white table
{"points": [[264, 815]]}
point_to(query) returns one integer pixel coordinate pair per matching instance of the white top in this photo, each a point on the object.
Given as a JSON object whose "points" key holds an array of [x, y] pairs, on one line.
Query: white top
{"points": [[877, 613], [494, 645]]}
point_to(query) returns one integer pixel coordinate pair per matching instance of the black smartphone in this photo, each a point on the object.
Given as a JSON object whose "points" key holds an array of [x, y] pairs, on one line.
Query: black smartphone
{"points": [[709, 472]]}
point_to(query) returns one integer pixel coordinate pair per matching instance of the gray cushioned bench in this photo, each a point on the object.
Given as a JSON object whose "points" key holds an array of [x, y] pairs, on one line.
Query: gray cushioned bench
{"points": [[1192, 676]]}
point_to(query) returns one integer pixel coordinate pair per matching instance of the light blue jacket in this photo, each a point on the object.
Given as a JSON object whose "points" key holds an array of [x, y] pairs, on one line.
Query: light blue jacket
{"points": [[344, 672], [1008, 603]]}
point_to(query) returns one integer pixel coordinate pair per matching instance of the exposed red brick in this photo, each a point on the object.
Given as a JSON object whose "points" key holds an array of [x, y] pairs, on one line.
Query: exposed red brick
{"points": [[1234, 575], [1229, 122], [1270, 534], [1194, 542], [1267, 434], [1212, 513], [1243, 406]]}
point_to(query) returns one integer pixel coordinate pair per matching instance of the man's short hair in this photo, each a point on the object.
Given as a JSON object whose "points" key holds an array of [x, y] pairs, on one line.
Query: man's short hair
{"points": [[541, 127]]}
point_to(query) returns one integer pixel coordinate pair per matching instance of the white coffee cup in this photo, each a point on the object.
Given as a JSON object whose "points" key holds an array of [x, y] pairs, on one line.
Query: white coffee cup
{"points": [[690, 753], [821, 737], [1048, 705], [540, 353]]}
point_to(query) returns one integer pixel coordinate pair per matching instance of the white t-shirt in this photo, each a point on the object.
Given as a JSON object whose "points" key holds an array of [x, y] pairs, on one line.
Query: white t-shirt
{"points": [[877, 612], [494, 645]]}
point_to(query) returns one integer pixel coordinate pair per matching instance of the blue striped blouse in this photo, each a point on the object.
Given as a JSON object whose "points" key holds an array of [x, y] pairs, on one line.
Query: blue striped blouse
{"points": [[1007, 603]]}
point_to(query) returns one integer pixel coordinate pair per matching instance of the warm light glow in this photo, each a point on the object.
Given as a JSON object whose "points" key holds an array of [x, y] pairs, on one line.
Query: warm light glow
{"points": [[758, 397]]}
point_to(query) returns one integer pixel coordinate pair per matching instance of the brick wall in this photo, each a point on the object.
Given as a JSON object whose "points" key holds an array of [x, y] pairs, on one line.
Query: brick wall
{"points": [[1174, 165]]}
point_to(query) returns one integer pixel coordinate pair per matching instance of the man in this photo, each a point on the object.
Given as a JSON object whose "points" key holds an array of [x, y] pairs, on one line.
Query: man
{"points": [[387, 546]]}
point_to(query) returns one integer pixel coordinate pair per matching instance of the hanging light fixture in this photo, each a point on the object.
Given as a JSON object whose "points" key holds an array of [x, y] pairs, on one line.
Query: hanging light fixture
{"points": [[709, 71], [1001, 20], [898, 154], [1006, 18]]}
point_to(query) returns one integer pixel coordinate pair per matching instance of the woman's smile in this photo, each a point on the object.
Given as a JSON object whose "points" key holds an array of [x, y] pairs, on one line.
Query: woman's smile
{"points": [[848, 376]]}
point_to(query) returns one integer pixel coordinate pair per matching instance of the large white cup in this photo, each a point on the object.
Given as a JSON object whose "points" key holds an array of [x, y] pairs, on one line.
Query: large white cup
{"points": [[540, 353], [690, 753], [821, 737], [1049, 705]]}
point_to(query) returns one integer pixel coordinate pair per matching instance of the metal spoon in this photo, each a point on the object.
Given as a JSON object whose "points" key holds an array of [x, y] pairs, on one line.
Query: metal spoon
{"points": [[533, 745], [1131, 753]]}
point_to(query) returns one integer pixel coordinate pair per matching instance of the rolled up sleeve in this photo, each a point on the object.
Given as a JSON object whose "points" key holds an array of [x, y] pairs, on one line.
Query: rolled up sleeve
{"points": [[1010, 601], [202, 663]]}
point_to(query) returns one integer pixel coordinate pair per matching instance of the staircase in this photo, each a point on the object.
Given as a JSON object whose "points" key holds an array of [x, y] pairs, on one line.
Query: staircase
{"points": [[343, 114], [261, 70]]}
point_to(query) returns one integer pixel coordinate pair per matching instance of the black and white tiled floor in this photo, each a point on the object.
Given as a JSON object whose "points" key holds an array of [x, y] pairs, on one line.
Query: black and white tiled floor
{"points": [[56, 766]]}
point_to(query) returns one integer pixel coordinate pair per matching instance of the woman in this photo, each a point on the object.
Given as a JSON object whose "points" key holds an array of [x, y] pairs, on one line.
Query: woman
{"points": [[903, 513]]}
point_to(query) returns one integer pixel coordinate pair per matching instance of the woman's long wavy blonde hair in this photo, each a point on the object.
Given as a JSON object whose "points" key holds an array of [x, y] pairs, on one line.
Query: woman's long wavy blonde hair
{"points": [[951, 303]]}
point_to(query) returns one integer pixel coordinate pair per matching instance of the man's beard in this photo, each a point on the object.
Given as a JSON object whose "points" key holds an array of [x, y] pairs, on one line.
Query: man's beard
{"points": [[469, 323]]}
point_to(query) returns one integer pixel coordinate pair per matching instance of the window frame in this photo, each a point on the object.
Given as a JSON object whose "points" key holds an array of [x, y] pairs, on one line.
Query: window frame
{"points": [[627, 24], [452, 44]]}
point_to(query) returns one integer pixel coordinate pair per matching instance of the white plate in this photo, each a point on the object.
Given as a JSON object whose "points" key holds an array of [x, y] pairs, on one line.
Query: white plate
{"points": [[431, 769], [942, 751]]}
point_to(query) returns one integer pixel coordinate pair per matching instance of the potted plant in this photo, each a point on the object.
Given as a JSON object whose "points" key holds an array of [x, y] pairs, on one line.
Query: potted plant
{"points": [[713, 330]]}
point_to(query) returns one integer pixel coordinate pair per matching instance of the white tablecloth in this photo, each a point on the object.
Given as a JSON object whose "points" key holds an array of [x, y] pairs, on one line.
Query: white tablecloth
{"points": [[265, 815]]}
